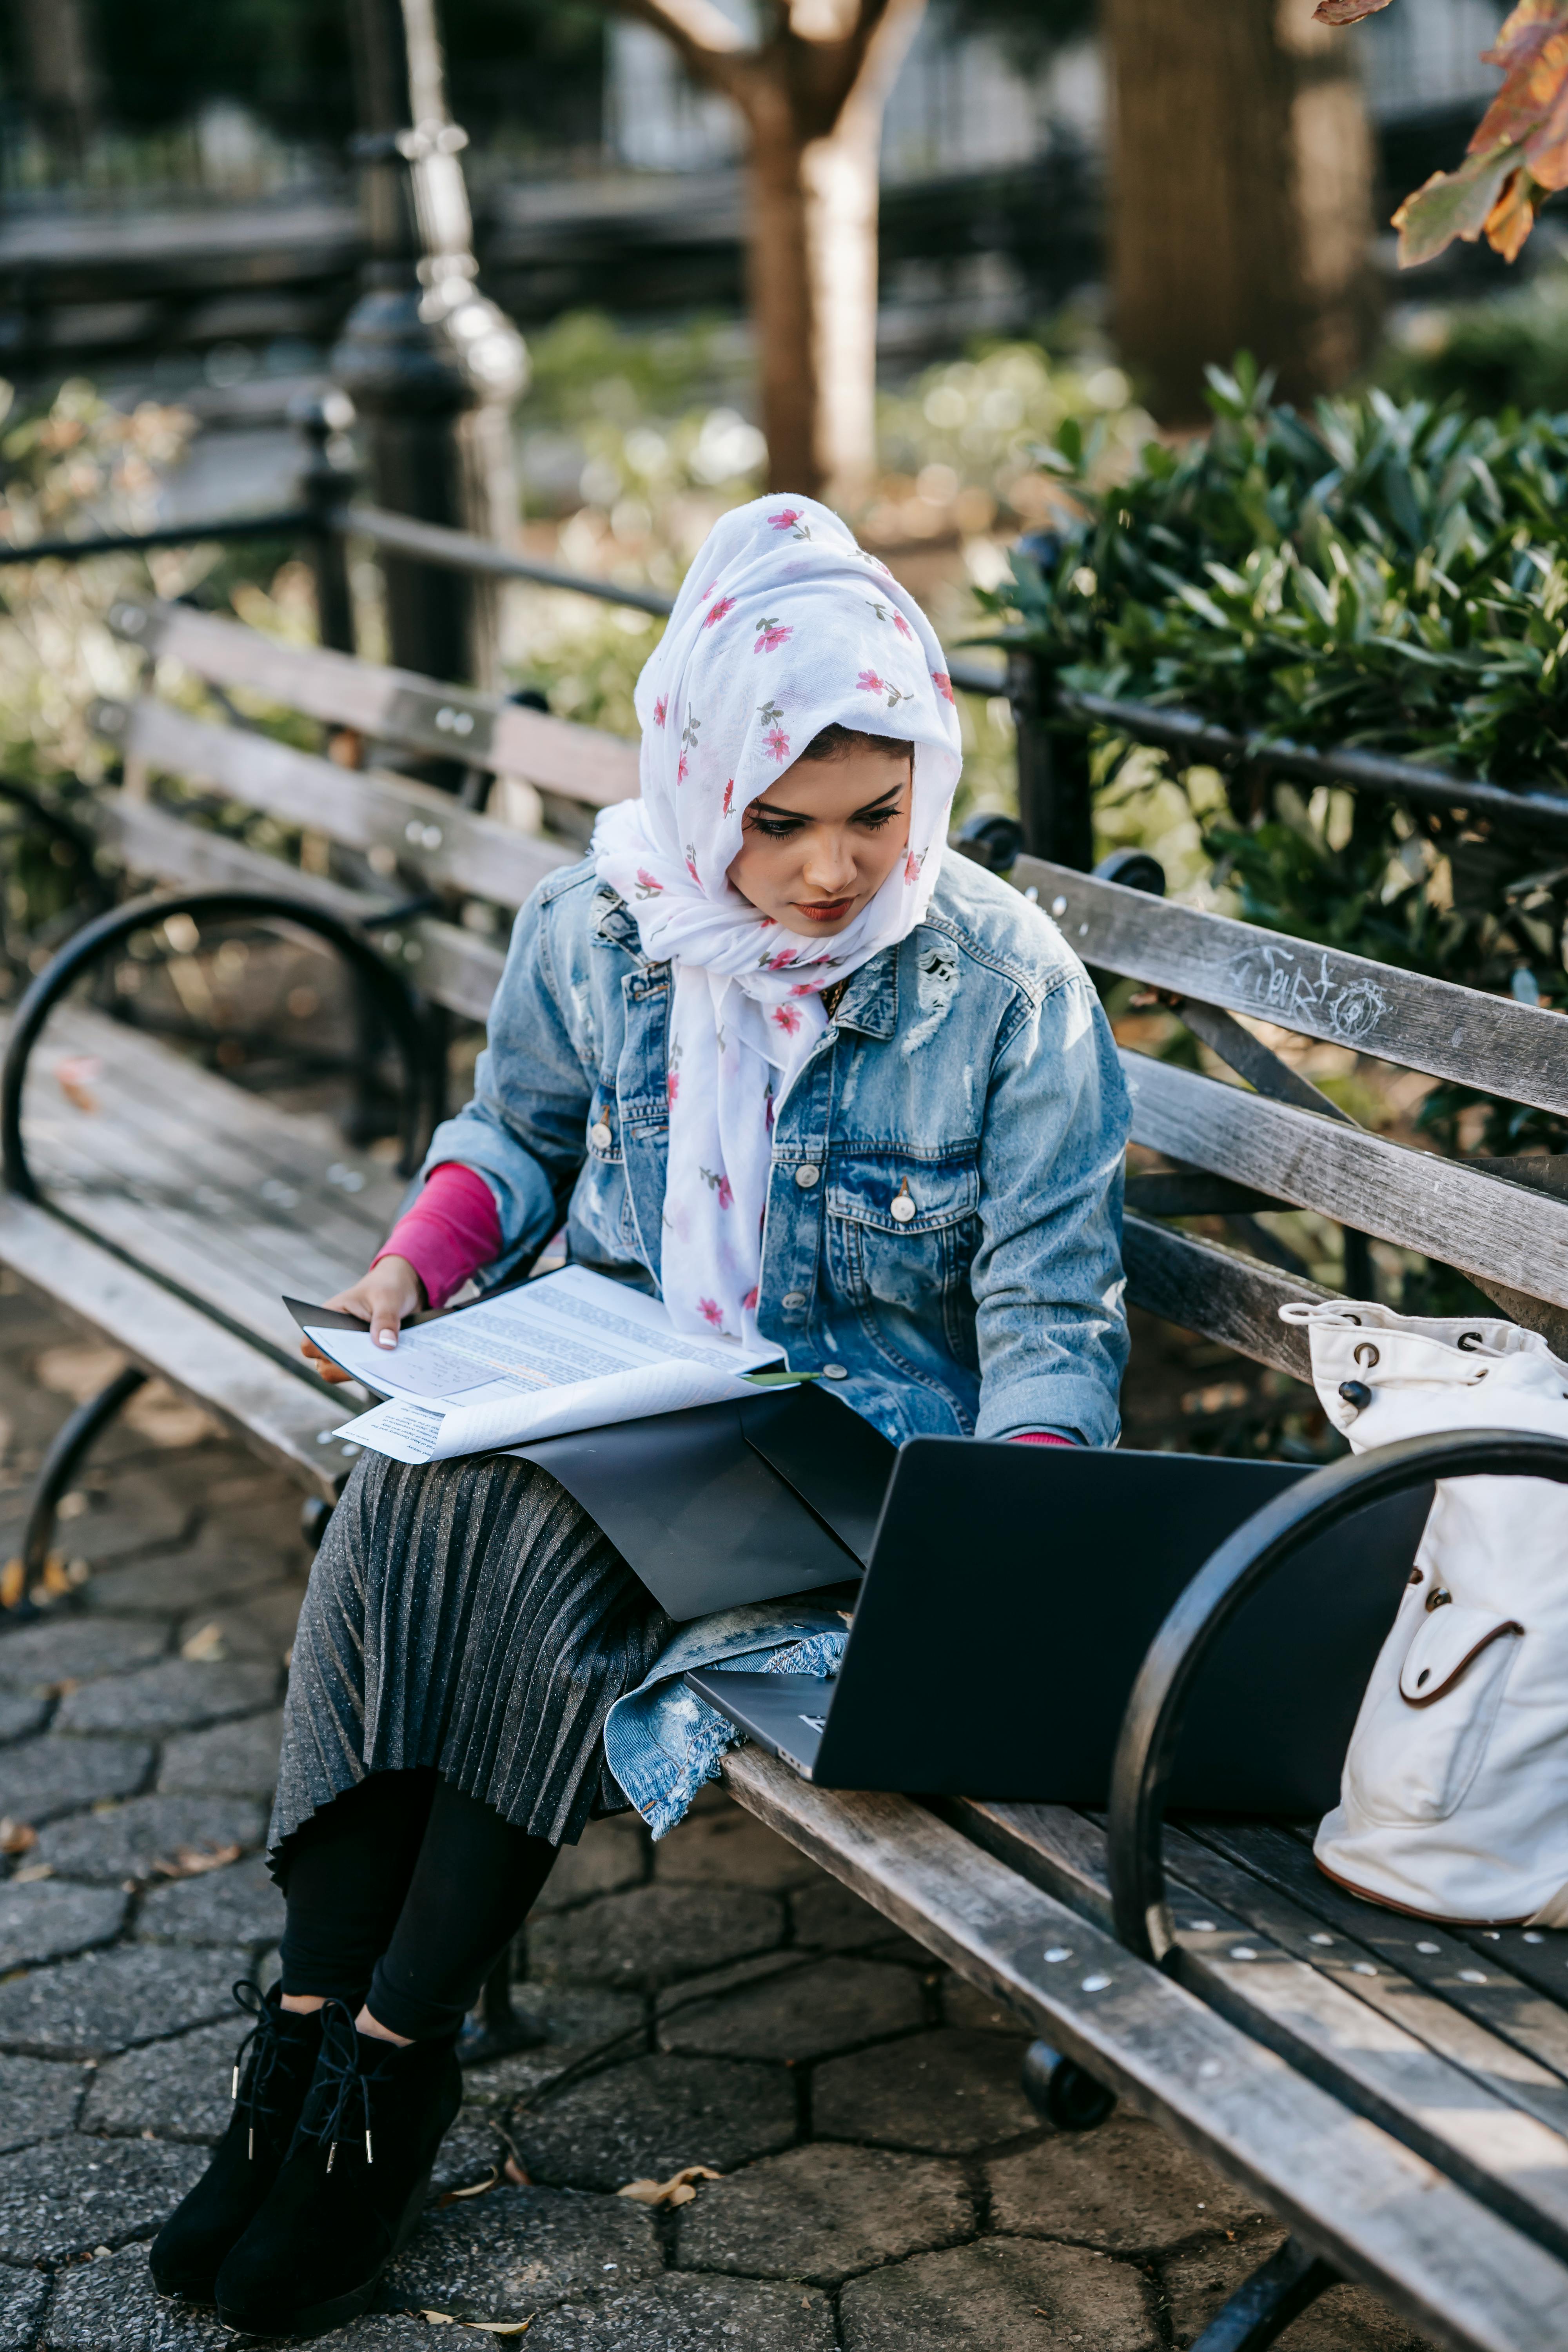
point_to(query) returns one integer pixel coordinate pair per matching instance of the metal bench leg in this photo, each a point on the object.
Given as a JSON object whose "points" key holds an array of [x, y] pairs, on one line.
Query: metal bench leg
{"points": [[1058, 2089], [1266, 2304], [59, 1467], [495, 2028]]}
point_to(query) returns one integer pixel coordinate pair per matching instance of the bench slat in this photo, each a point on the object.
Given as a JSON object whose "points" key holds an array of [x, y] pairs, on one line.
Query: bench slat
{"points": [[1505, 2004], [1377, 2211], [1462, 2097], [1204, 1287], [277, 1414], [1519, 1051], [1490, 1229], [446, 844], [452, 965], [394, 706]]}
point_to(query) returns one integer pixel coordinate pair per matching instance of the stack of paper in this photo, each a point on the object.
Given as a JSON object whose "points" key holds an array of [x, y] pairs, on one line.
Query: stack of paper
{"points": [[572, 1350]]}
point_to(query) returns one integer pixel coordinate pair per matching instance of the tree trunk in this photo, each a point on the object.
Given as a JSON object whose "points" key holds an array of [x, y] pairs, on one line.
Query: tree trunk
{"points": [[1241, 169], [62, 81]]}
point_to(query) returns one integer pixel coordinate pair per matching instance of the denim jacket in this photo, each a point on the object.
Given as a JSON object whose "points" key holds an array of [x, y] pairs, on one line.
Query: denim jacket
{"points": [[968, 1069]]}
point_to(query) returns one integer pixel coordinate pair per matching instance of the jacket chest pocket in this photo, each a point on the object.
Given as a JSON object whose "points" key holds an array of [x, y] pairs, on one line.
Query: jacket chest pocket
{"points": [[902, 1232]]}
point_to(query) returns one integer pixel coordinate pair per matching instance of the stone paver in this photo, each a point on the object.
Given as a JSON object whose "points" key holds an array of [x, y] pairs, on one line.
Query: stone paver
{"points": [[40, 2098], [41, 1779], [520, 2250], [23, 2294], [202, 1575], [230, 1760], [829, 1917], [177, 2089], [1128, 2186], [804, 2014], [20, 1713], [474, 2150], [128, 1841], [1346, 2319], [76, 1649], [825, 2212], [966, 2004], [48, 1919], [111, 2306], [952, 2092], [577, 2024], [236, 1905], [651, 2116], [730, 1848], [93, 2007], [610, 1855], [692, 2315], [261, 1626], [653, 1934], [67, 2196], [1000, 2294], [176, 1695]]}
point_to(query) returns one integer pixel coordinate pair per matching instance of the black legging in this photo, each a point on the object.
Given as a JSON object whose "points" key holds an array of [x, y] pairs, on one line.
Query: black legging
{"points": [[403, 1894]]}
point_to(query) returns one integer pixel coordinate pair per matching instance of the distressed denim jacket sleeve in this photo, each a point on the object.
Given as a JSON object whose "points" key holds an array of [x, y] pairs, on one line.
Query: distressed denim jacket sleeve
{"points": [[1046, 1278]]}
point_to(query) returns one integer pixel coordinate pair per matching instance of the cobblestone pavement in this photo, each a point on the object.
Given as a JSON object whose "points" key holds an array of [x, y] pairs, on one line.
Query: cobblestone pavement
{"points": [[716, 2001]]}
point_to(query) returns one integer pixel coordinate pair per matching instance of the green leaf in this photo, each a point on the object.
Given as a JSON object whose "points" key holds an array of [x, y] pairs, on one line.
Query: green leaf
{"points": [[1453, 204]]}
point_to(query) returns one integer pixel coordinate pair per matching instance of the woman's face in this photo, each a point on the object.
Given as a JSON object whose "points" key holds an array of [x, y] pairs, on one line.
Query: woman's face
{"points": [[818, 844]]}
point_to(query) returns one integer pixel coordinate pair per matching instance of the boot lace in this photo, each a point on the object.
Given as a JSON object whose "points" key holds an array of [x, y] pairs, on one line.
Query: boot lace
{"points": [[339, 2086], [267, 2056]]}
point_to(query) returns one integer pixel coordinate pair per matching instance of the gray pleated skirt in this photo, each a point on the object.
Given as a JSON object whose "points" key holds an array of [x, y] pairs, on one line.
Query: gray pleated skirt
{"points": [[470, 1616]]}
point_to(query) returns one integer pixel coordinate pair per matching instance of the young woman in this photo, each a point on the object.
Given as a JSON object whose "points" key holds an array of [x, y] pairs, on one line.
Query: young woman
{"points": [[776, 1056]]}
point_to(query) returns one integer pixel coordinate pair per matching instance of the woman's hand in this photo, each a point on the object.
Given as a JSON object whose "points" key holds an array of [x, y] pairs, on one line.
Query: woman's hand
{"points": [[384, 1297]]}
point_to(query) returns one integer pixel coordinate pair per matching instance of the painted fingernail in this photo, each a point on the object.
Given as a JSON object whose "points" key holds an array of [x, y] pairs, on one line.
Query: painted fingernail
{"points": [[386, 1338]]}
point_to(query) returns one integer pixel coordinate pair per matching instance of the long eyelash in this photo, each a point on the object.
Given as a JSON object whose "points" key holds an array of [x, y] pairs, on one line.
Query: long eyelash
{"points": [[874, 824], [778, 830]]}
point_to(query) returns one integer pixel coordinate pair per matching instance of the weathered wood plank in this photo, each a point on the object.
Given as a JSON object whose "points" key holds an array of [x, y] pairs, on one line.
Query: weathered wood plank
{"points": [[1487, 1228], [425, 829], [450, 964], [279, 1414], [1488, 1041], [1204, 1287], [1488, 2115], [393, 704], [1351, 2190], [1443, 1963]]}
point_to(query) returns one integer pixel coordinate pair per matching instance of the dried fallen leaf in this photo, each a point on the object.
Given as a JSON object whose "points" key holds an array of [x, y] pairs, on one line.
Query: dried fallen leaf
{"points": [[676, 2191], [190, 1861], [12, 1577], [512, 2171], [76, 1075], [480, 2188], [205, 1647], [16, 1837], [484, 2326], [31, 1875]]}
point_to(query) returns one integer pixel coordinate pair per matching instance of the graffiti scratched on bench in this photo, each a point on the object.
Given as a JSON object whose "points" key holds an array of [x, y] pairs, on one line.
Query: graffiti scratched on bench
{"points": [[1300, 988]]}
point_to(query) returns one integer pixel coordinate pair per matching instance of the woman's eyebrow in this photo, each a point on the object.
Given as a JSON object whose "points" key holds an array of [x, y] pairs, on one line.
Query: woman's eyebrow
{"points": [[891, 794]]}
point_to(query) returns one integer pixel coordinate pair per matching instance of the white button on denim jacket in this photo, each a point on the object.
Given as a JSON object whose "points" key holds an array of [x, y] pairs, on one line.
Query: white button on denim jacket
{"points": [[943, 1218]]}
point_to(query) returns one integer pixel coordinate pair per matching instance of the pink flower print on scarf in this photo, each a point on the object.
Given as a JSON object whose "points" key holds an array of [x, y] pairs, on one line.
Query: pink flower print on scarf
{"points": [[691, 864], [788, 519], [718, 1184], [711, 1312], [661, 710], [774, 736], [729, 797], [647, 888], [943, 685], [869, 683], [770, 635], [788, 1019], [912, 865], [887, 613], [725, 604], [750, 1300]]}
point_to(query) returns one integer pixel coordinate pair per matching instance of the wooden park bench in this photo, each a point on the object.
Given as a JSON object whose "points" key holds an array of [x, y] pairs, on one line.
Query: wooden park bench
{"points": [[1398, 2095]]}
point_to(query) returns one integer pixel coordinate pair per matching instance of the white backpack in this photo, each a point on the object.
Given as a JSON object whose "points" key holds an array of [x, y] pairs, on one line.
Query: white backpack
{"points": [[1454, 1801]]}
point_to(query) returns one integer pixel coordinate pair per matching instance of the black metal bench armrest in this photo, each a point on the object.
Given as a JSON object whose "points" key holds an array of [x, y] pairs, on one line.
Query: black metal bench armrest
{"points": [[386, 989], [1151, 1727]]}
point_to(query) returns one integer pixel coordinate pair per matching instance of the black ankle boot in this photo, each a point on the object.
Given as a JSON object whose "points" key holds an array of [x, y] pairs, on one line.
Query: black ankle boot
{"points": [[351, 2189], [272, 2072]]}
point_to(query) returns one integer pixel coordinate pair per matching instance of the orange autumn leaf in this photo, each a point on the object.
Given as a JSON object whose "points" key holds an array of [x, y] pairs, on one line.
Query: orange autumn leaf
{"points": [[1528, 95], [1512, 216], [1346, 11]]}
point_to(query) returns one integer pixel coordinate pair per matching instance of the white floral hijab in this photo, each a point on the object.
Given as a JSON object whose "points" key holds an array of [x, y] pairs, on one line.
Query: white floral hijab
{"points": [[783, 627]]}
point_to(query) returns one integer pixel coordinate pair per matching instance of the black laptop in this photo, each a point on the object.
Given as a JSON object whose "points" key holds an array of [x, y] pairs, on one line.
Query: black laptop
{"points": [[1011, 1594]]}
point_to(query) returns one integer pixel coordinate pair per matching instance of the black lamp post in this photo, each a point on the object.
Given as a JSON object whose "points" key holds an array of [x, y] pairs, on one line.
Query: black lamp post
{"points": [[432, 367]]}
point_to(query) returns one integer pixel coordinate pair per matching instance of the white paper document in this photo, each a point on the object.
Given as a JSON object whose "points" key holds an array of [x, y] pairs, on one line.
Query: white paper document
{"points": [[572, 1350]]}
